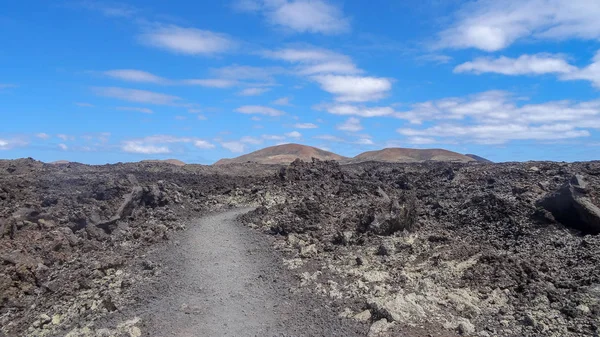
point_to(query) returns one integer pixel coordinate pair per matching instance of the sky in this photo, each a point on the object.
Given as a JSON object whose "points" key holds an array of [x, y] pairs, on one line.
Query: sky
{"points": [[103, 82]]}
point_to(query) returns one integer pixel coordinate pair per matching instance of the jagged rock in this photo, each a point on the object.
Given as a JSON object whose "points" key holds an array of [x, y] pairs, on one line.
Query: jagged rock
{"points": [[363, 316], [378, 328], [308, 251], [570, 206], [391, 219], [387, 247], [399, 308]]}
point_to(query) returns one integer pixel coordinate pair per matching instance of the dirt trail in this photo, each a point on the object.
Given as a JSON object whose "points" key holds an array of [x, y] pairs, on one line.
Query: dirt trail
{"points": [[225, 280]]}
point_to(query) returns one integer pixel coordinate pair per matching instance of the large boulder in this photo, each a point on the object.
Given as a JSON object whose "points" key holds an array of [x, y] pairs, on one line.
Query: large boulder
{"points": [[389, 218], [572, 207]]}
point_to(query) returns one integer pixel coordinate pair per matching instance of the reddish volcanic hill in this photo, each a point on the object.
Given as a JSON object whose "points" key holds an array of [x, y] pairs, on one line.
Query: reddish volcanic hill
{"points": [[283, 154], [402, 155], [175, 162]]}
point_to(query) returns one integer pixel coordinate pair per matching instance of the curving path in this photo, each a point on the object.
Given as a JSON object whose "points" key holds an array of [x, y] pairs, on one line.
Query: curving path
{"points": [[224, 279]]}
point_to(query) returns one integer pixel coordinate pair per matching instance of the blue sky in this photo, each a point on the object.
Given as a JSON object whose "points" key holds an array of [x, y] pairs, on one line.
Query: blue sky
{"points": [[98, 82]]}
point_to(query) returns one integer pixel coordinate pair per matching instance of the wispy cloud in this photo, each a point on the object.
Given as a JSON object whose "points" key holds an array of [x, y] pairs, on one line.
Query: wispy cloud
{"points": [[538, 64], [498, 117], [352, 124], [8, 144], [211, 83], [189, 41], [160, 144], [84, 104], [354, 88], [305, 126], [133, 75], [284, 101], [314, 61], [112, 9], [302, 16], [523, 65], [352, 110], [137, 109], [138, 96], [260, 110], [293, 134], [234, 146], [492, 25], [253, 91]]}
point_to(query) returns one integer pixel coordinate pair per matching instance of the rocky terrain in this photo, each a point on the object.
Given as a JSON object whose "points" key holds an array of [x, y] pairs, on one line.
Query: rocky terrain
{"points": [[72, 236], [473, 249], [417, 249]]}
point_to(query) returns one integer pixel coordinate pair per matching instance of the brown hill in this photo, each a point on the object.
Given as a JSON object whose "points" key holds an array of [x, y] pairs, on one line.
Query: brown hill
{"points": [[283, 154], [402, 155], [175, 162]]}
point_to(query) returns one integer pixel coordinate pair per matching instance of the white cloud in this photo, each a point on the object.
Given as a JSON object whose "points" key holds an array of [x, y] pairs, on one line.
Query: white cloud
{"points": [[273, 137], [128, 108], [524, 65], [590, 73], [202, 144], [43, 135], [211, 83], [65, 138], [251, 140], [492, 25], [159, 144], [535, 65], [305, 126], [285, 101], [329, 138], [235, 147], [132, 75], [364, 141], [498, 117], [63, 147], [351, 110], [498, 133], [354, 88], [84, 105], [8, 144], [138, 96], [190, 41], [352, 124], [135, 147], [311, 16], [294, 134], [314, 61], [260, 110], [113, 10], [421, 140], [253, 91], [247, 73]]}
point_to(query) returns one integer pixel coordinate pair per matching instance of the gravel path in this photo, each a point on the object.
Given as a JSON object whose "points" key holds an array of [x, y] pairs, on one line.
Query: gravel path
{"points": [[224, 279]]}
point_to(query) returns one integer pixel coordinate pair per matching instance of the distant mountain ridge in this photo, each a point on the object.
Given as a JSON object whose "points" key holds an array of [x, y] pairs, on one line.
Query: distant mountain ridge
{"points": [[405, 155], [478, 158], [283, 154], [287, 153], [175, 162]]}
